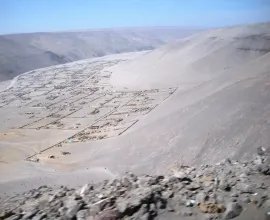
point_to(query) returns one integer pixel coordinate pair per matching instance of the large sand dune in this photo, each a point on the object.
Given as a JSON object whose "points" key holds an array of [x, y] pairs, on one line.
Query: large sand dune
{"points": [[197, 101]]}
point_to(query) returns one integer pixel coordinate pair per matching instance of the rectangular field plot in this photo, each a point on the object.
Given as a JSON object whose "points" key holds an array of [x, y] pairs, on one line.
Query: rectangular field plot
{"points": [[142, 101], [69, 101], [104, 99], [132, 113], [45, 102], [91, 112], [70, 123], [121, 99], [36, 112], [68, 110], [39, 123], [16, 103], [160, 96], [87, 99], [173, 89], [37, 93], [102, 130]]}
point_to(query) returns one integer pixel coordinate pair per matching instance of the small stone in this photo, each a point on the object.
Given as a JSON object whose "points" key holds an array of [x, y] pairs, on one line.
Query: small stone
{"points": [[258, 160], [108, 215], [30, 214], [167, 194], [246, 199], [73, 209], [40, 216], [161, 204], [153, 209], [125, 182], [261, 201], [220, 199], [146, 216], [243, 177], [141, 213], [143, 180], [6, 214], [201, 197], [233, 199], [234, 194], [15, 217], [77, 197], [265, 170], [226, 161], [245, 188], [51, 156], [153, 181], [178, 187], [85, 190], [211, 216], [82, 214], [190, 203], [193, 186], [180, 174], [267, 203], [261, 151], [132, 176], [35, 195], [224, 185], [127, 206], [143, 209], [232, 210], [62, 210]]}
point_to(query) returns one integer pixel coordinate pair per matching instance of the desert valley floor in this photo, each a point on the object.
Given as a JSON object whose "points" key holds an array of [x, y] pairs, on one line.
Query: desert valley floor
{"points": [[193, 102], [46, 110], [75, 103]]}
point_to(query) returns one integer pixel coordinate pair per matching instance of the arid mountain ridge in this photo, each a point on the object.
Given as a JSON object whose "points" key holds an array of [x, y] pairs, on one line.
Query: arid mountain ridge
{"points": [[20, 53]]}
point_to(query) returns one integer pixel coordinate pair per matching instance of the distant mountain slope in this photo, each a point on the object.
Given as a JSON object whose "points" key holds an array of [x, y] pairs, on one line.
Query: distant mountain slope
{"points": [[23, 52], [195, 59]]}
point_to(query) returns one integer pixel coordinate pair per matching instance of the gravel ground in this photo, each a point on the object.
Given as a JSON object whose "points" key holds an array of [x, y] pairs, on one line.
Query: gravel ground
{"points": [[228, 190]]}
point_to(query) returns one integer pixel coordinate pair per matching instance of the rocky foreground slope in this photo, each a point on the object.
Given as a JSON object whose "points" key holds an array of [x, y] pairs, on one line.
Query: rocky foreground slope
{"points": [[227, 190]]}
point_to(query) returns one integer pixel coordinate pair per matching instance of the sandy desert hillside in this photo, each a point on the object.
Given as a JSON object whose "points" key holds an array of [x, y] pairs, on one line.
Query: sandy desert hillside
{"points": [[23, 52], [194, 102], [195, 59]]}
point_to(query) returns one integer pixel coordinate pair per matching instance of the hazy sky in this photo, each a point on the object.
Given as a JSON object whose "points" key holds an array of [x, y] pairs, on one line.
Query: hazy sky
{"points": [[53, 15]]}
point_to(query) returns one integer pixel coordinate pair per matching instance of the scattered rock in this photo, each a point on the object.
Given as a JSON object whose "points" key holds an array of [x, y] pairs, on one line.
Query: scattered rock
{"points": [[193, 186], [245, 188], [6, 214], [108, 215], [40, 216], [65, 152], [30, 214], [232, 210], [85, 190], [261, 151], [72, 210], [224, 185], [208, 192], [201, 197]]}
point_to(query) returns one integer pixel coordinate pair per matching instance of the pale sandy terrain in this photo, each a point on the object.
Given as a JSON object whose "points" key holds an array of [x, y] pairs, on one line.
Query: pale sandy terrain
{"points": [[197, 101]]}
